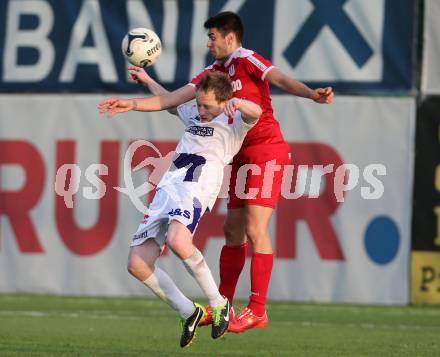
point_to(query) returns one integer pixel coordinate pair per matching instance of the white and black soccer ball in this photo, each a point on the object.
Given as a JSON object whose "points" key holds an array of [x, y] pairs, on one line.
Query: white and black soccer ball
{"points": [[141, 47]]}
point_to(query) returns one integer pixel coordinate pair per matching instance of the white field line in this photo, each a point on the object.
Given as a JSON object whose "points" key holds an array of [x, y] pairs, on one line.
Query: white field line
{"points": [[111, 316], [79, 314], [366, 326], [423, 311]]}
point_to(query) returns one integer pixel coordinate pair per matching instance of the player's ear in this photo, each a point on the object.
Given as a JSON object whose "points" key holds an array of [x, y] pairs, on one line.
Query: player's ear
{"points": [[230, 38]]}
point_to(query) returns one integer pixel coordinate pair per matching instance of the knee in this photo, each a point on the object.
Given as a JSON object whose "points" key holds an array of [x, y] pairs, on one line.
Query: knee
{"points": [[137, 267], [234, 233], [179, 246], [133, 265], [228, 229], [255, 232]]}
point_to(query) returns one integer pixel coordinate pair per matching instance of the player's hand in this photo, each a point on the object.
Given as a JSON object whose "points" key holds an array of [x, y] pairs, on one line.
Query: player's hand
{"points": [[323, 95], [138, 75], [115, 106], [105, 105], [231, 107]]}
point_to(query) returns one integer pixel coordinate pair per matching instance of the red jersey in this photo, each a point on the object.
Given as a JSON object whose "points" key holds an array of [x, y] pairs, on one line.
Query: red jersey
{"points": [[247, 71]]}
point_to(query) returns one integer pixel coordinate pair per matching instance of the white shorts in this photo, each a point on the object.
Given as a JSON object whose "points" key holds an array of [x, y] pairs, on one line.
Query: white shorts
{"points": [[185, 208]]}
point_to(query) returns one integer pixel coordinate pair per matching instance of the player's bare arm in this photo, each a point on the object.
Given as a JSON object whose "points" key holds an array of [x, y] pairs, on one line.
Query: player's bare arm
{"points": [[140, 76], [250, 111], [292, 86], [114, 106]]}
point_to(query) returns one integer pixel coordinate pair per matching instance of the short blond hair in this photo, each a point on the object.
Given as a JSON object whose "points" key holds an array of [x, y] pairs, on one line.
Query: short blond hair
{"points": [[219, 83]]}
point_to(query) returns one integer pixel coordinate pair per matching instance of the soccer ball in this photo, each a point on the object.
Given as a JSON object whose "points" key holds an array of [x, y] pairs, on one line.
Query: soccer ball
{"points": [[141, 47]]}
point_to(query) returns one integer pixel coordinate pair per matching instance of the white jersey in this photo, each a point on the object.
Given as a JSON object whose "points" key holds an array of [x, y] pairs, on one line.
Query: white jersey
{"points": [[202, 153]]}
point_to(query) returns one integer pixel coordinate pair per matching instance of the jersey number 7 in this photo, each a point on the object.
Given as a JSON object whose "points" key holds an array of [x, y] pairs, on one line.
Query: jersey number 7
{"points": [[193, 164]]}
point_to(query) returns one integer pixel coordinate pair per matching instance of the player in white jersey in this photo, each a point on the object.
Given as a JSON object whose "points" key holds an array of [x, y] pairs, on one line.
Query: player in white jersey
{"points": [[214, 130]]}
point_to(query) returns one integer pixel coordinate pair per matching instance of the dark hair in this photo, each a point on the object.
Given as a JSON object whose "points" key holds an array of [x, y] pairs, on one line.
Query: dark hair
{"points": [[226, 22], [219, 83]]}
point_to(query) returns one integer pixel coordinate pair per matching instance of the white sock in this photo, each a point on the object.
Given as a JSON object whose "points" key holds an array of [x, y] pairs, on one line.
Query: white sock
{"points": [[197, 267], [164, 288]]}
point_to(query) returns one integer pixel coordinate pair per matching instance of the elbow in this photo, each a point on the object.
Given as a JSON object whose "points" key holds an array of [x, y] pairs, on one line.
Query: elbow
{"points": [[259, 112]]}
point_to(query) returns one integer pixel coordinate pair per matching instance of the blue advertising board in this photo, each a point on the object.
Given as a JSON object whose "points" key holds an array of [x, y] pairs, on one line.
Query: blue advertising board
{"points": [[54, 46]]}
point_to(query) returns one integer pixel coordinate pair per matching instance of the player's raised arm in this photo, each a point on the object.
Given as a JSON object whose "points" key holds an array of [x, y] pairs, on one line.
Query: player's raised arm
{"points": [[164, 101], [250, 112], [292, 86], [140, 76]]}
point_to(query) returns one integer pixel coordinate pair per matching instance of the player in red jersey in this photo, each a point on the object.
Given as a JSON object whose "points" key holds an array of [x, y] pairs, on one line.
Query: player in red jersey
{"points": [[247, 218]]}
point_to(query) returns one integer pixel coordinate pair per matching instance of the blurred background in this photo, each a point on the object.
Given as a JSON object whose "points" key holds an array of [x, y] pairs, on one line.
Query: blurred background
{"points": [[375, 241]]}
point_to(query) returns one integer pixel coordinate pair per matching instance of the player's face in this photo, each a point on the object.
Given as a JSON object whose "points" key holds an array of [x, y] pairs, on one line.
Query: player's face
{"points": [[220, 47], [208, 106]]}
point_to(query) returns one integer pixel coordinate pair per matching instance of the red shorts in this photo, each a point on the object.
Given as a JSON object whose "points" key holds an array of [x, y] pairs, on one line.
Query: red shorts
{"points": [[257, 174]]}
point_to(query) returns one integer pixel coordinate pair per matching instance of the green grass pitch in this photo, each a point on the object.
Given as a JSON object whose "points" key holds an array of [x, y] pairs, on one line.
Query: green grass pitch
{"points": [[34, 325]]}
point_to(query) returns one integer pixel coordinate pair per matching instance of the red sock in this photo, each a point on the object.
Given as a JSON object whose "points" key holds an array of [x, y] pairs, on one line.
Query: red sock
{"points": [[261, 268], [232, 259]]}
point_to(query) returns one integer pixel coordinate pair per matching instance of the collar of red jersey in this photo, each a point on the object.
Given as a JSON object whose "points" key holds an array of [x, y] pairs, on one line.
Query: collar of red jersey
{"points": [[239, 52]]}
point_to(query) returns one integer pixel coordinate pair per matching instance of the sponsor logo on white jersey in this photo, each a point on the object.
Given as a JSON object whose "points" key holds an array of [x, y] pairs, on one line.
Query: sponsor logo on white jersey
{"points": [[200, 130]]}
